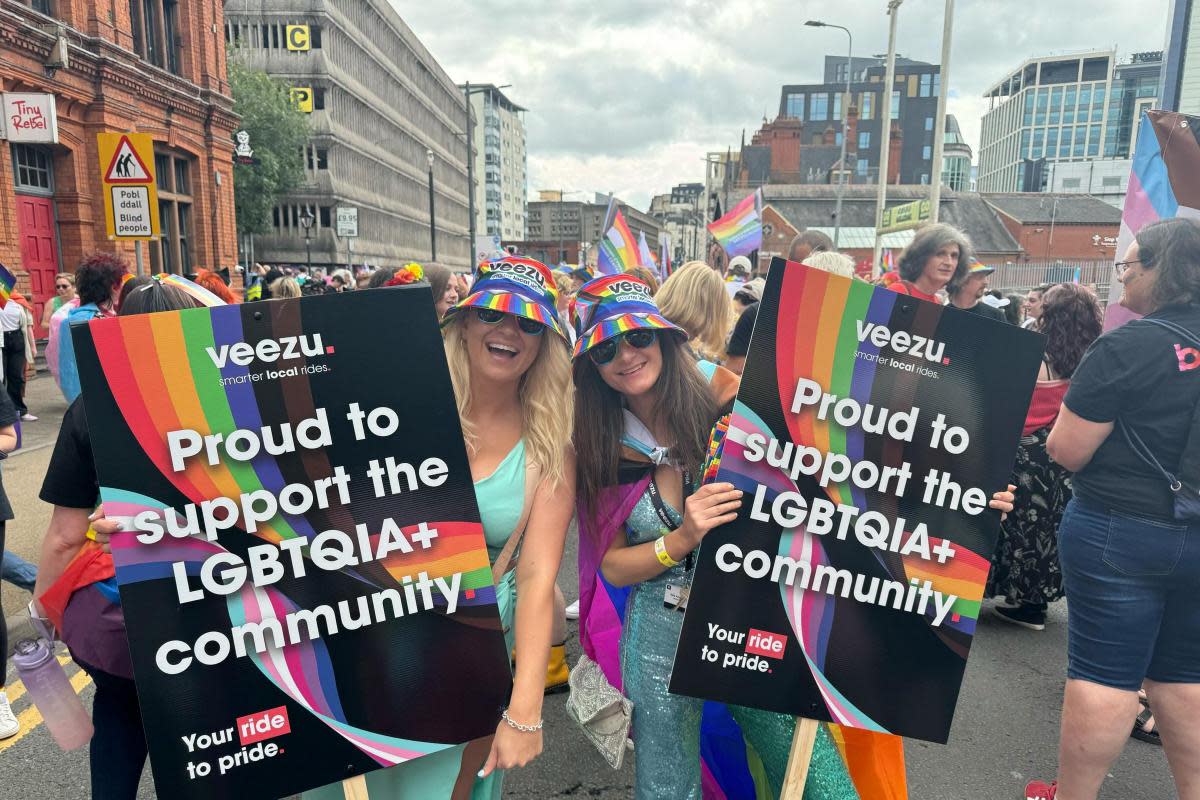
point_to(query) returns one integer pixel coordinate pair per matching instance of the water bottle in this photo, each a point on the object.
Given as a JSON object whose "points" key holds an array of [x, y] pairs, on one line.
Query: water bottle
{"points": [[47, 684]]}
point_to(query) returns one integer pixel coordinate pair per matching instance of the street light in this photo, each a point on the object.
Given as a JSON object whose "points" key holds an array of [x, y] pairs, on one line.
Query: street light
{"points": [[432, 219], [470, 137], [837, 214], [306, 222]]}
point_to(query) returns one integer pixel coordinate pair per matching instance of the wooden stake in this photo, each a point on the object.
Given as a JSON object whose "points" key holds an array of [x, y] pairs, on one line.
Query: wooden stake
{"points": [[355, 788], [799, 759]]}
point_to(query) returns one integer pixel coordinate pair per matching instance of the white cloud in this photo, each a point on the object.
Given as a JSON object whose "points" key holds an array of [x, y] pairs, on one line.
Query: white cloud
{"points": [[628, 95]]}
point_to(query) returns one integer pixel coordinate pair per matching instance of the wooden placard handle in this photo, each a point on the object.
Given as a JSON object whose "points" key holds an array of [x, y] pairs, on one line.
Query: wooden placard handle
{"points": [[356, 788], [798, 759]]}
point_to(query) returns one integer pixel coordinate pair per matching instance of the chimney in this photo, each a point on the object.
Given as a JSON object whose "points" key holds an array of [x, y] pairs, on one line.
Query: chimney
{"points": [[894, 149]]}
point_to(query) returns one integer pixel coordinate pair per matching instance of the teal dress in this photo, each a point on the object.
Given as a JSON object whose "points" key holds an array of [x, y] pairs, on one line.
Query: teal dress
{"points": [[666, 727], [501, 498]]}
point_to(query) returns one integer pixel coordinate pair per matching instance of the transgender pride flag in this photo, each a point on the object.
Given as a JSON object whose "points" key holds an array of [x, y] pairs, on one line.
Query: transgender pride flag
{"points": [[618, 248], [740, 231]]}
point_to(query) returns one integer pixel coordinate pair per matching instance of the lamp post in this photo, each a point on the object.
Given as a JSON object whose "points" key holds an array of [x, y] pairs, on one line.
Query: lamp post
{"points": [[432, 218], [885, 145], [470, 137], [841, 190], [939, 129], [306, 222]]}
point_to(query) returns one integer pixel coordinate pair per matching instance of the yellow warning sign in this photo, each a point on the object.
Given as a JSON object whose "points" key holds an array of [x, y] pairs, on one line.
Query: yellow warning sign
{"points": [[298, 37], [302, 97], [130, 194]]}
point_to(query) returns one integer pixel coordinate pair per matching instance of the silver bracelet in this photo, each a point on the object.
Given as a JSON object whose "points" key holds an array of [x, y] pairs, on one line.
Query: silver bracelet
{"points": [[522, 728]]}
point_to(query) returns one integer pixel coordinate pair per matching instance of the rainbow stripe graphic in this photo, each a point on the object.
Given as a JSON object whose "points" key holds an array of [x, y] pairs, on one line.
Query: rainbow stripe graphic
{"points": [[618, 248], [740, 231], [826, 308], [161, 380]]}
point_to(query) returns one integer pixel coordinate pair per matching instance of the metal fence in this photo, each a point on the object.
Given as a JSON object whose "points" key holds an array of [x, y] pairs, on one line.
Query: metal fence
{"points": [[1021, 277]]}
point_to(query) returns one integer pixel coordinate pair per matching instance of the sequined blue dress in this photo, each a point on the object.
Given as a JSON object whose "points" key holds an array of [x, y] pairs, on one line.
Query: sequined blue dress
{"points": [[666, 727]]}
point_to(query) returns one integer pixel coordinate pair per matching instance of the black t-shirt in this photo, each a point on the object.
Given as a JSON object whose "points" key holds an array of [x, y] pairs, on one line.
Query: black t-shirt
{"points": [[1136, 374], [984, 310], [71, 479], [8, 416], [739, 342]]}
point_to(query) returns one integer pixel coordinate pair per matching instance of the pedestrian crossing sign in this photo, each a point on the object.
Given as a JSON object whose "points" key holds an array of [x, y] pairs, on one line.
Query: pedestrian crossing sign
{"points": [[128, 183]]}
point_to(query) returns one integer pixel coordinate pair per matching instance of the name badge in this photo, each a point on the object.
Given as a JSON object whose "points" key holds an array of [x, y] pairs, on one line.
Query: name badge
{"points": [[676, 596]]}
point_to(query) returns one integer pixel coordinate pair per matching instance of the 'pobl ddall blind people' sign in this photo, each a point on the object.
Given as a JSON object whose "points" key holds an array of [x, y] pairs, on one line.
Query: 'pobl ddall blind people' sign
{"points": [[869, 433], [303, 572]]}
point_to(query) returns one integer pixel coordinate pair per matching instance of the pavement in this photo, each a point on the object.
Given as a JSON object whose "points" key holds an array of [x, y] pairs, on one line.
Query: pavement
{"points": [[1005, 731]]}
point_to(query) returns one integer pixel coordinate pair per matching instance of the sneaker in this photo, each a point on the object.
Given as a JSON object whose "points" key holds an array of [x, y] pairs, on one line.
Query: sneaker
{"points": [[1030, 617], [1040, 790], [27, 417], [8, 721], [573, 610]]}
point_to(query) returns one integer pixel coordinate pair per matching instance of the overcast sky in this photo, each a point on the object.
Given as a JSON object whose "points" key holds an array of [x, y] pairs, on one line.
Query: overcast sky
{"points": [[628, 95]]}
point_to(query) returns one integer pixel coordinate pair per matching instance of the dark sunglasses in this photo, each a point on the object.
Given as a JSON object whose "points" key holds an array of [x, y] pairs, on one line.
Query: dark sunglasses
{"points": [[606, 351], [490, 316], [62, 286]]}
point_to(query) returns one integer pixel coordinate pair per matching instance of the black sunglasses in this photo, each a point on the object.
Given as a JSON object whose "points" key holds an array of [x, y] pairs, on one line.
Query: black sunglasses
{"points": [[490, 316], [606, 351], [62, 286]]}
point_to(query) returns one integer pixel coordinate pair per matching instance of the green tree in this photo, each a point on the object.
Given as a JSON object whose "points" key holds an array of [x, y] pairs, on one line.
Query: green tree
{"points": [[278, 133]]}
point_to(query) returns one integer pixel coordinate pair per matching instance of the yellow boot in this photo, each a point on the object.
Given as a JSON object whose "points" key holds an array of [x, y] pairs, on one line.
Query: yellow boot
{"points": [[557, 671]]}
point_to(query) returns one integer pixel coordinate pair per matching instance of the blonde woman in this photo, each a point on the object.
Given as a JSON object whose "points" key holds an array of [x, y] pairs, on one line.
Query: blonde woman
{"points": [[695, 299], [64, 293], [511, 369], [282, 288]]}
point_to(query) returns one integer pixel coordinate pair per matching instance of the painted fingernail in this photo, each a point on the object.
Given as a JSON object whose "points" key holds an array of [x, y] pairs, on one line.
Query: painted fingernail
{"points": [[479, 774]]}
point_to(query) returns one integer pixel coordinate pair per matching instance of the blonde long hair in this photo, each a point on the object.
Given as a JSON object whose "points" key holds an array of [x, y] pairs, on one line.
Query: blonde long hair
{"points": [[547, 397], [695, 299]]}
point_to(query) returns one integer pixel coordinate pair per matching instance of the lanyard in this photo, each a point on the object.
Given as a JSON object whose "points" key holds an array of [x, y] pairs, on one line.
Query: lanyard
{"points": [[660, 507]]}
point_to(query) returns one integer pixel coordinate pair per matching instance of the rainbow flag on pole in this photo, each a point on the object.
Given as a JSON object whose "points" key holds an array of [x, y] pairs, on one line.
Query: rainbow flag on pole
{"points": [[740, 231], [618, 248], [7, 282]]}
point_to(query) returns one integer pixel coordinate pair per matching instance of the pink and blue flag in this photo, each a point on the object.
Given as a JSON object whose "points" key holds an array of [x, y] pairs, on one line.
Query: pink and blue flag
{"points": [[740, 231], [664, 255], [644, 256]]}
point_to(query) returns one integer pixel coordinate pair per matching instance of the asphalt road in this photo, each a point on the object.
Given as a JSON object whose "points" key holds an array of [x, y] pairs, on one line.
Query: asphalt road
{"points": [[1005, 732]]}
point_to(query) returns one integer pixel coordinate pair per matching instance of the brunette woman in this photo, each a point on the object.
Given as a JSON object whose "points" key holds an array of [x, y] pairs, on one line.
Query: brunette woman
{"points": [[1025, 568]]}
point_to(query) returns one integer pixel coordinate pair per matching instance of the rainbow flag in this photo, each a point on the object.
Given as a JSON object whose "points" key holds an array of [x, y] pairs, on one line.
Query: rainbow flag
{"points": [[618, 248], [740, 231], [7, 282]]}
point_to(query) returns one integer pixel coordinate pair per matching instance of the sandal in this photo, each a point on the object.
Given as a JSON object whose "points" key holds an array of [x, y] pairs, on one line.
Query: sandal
{"points": [[1144, 728]]}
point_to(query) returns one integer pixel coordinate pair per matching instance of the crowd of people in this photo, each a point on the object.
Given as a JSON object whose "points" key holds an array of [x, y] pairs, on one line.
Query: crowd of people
{"points": [[1095, 514]]}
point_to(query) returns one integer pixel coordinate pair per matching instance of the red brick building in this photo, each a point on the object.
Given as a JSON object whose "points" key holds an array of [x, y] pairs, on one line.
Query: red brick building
{"points": [[1058, 226], [154, 66]]}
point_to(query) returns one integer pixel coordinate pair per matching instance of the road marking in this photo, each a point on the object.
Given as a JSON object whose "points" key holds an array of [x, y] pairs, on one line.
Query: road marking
{"points": [[16, 690], [30, 719]]}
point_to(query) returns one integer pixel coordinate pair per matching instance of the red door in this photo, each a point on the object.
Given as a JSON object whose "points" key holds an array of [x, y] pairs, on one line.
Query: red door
{"points": [[39, 250]]}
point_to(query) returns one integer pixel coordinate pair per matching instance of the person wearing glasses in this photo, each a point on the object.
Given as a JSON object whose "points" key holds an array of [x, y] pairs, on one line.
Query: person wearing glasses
{"points": [[64, 293], [1129, 429], [644, 413], [510, 366]]}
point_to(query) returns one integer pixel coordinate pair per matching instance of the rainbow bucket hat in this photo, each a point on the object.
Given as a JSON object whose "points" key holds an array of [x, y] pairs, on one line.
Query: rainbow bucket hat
{"points": [[611, 305], [514, 285]]}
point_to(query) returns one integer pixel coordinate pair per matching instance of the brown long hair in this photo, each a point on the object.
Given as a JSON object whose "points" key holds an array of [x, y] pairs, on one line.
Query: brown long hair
{"points": [[1072, 320], [684, 400]]}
